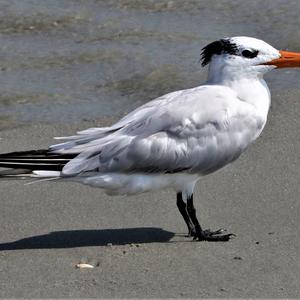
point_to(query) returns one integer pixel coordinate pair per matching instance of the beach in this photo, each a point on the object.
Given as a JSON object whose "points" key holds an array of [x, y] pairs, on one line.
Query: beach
{"points": [[67, 66]]}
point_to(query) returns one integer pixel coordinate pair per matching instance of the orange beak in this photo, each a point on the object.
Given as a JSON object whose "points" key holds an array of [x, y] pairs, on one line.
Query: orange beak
{"points": [[287, 60]]}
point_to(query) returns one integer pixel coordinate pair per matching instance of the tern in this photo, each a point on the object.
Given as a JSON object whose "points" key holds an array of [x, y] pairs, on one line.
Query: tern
{"points": [[174, 140]]}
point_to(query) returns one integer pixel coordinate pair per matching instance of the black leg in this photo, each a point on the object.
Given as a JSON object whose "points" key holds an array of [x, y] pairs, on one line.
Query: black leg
{"points": [[182, 208], [192, 214], [200, 234]]}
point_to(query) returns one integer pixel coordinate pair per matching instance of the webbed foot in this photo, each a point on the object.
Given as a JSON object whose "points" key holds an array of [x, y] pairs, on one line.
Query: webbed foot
{"points": [[212, 236]]}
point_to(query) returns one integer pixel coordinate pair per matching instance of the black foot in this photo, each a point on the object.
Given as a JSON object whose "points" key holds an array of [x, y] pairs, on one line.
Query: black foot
{"points": [[212, 236]]}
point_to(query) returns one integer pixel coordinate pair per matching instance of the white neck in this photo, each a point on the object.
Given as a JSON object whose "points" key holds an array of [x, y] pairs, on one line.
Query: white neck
{"points": [[248, 84]]}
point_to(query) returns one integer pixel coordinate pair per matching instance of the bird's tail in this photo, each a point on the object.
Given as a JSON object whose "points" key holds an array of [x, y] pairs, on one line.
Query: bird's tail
{"points": [[34, 163]]}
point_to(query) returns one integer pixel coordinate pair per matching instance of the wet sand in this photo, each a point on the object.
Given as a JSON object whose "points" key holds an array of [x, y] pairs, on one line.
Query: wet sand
{"points": [[68, 66]]}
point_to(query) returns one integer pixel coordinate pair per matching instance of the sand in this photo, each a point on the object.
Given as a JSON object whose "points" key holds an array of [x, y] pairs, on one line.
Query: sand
{"points": [[138, 244]]}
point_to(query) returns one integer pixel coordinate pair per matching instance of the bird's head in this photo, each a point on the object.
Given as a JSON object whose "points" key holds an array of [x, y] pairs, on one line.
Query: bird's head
{"points": [[245, 56]]}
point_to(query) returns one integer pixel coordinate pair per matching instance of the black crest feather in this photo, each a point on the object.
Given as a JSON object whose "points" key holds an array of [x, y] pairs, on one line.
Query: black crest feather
{"points": [[217, 47]]}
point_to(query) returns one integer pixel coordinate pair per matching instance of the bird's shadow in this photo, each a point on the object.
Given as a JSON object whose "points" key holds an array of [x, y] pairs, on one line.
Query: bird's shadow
{"points": [[85, 238]]}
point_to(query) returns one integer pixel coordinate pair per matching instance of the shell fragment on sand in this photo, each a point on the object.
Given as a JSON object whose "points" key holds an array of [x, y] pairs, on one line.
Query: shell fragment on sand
{"points": [[84, 266]]}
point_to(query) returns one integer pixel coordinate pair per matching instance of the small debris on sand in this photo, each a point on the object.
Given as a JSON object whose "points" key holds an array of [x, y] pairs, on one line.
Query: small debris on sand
{"points": [[84, 266], [238, 258]]}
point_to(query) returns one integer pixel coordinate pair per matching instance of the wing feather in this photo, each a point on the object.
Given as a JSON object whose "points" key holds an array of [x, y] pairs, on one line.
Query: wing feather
{"points": [[184, 130]]}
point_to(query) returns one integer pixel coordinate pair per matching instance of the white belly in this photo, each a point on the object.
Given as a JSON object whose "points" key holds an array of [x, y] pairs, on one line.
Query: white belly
{"points": [[118, 183]]}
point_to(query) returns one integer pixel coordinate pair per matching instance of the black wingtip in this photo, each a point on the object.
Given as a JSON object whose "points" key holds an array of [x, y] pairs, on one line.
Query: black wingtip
{"points": [[35, 160]]}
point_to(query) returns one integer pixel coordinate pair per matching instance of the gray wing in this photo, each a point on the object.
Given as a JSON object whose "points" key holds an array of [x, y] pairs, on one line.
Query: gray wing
{"points": [[188, 130], [80, 141]]}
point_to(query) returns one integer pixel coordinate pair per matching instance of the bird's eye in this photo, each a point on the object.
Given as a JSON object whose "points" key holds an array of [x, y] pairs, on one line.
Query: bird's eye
{"points": [[249, 54]]}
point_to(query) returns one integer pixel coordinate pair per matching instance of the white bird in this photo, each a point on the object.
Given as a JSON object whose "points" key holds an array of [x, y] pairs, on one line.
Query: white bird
{"points": [[175, 139]]}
